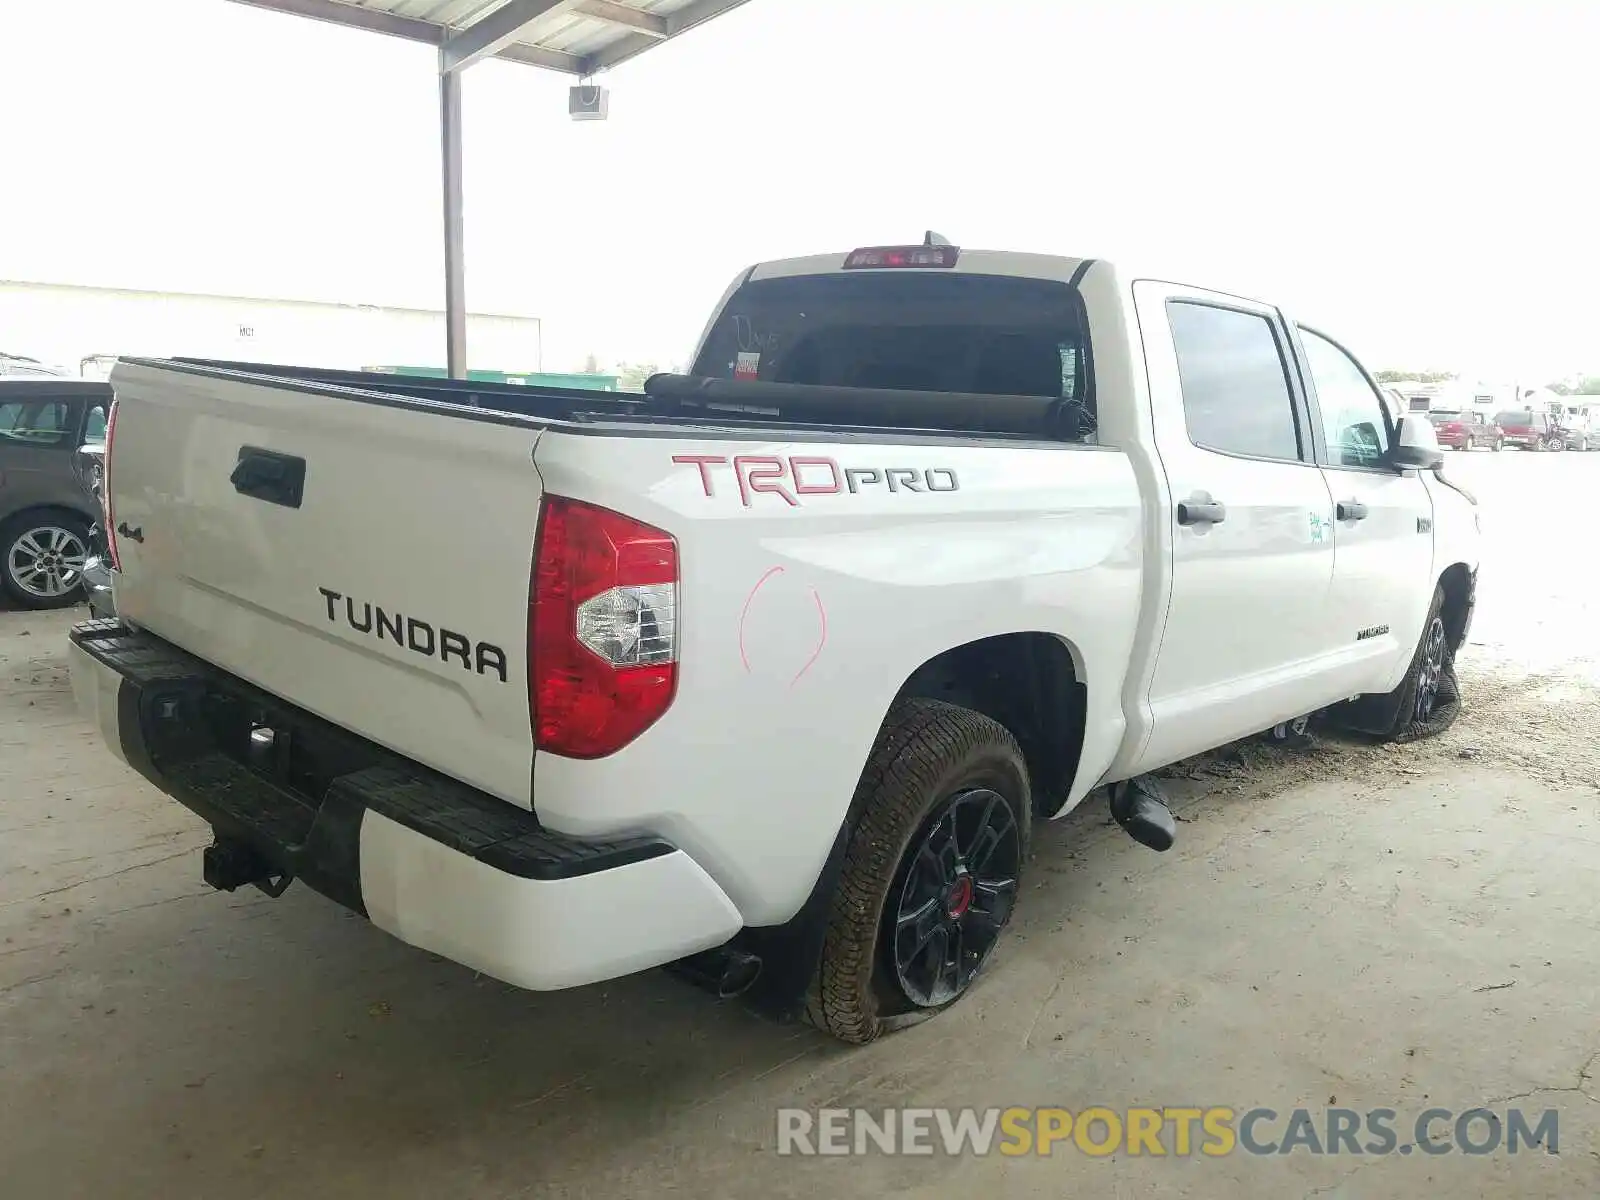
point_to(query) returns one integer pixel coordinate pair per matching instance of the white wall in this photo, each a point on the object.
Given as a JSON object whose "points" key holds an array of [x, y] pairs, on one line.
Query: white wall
{"points": [[62, 325]]}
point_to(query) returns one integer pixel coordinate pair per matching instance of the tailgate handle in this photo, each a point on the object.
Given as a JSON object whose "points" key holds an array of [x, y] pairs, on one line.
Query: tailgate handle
{"points": [[270, 476]]}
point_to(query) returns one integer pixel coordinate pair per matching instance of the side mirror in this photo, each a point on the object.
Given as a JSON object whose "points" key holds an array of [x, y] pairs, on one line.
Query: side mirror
{"points": [[1416, 445]]}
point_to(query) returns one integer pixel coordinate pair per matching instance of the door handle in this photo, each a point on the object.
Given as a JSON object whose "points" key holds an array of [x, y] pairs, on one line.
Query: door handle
{"points": [[1201, 512], [270, 476], [1351, 510]]}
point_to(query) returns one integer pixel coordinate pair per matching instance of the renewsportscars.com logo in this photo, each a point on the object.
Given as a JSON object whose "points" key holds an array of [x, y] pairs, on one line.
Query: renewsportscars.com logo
{"points": [[1163, 1132]]}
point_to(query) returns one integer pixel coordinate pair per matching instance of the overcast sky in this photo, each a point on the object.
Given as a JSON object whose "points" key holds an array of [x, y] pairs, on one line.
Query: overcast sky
{"points": [[1419, 178]]}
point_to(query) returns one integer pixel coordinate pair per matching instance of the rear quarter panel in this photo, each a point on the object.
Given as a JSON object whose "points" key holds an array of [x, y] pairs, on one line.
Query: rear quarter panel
{"points": [[806, 606]]}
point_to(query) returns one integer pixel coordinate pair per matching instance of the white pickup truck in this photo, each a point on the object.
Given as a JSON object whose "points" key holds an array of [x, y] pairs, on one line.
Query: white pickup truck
{"points": [[766, 673]]}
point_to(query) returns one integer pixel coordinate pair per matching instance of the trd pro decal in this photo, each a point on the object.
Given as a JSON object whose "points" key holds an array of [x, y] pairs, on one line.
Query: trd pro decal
{"points": [[798, 476]]}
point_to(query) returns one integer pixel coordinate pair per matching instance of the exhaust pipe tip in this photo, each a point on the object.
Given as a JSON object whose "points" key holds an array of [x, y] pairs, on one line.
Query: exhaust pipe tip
{"points": [[739, 974]]}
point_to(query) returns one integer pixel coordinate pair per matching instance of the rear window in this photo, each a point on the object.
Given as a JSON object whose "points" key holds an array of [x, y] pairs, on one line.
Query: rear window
{"points": [[35, 422], [1439, 416], [1513, 418], [932, 331]]}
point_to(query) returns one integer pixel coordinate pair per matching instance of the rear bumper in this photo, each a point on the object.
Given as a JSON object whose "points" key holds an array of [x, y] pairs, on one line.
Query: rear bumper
{"points": [[435, 863]]}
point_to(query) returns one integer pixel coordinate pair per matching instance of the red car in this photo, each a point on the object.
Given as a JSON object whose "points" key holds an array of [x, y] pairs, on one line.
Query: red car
{"points": [[1465, 430], [1531, 430]]}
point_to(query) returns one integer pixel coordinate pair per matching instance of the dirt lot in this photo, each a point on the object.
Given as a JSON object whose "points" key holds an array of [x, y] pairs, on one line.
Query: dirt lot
{"points": [[1347, 925]]}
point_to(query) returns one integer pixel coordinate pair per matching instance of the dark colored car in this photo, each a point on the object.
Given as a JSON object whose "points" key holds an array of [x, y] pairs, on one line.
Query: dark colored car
{"points": [[1464, 430], [47, 499], [1531, 430]]}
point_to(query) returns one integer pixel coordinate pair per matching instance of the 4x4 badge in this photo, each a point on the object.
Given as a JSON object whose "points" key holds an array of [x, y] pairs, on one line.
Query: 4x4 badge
{"points": [[1424, 524]]}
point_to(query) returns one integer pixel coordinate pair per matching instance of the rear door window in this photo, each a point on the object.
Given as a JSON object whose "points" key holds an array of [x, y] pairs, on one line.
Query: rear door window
{"points": [[1235, 382], [38, 422]]}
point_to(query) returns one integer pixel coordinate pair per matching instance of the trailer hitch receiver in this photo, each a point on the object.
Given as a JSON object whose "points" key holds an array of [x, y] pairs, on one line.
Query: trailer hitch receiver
{"points": [[228, 865]]}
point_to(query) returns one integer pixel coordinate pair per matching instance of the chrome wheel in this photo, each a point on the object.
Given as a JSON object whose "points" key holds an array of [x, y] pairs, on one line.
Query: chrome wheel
{"points": [[46, 562], [1432, 668], [957, 894]]}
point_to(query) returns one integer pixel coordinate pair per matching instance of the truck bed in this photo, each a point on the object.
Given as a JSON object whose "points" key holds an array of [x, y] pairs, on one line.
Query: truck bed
{"points": [[694, 401]]}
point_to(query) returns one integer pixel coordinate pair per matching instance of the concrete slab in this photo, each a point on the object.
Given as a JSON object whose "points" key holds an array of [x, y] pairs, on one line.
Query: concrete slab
{"points": [[1348, 926]]}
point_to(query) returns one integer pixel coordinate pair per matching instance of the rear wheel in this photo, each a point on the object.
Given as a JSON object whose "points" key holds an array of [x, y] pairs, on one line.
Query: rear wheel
{"points": [[1555, 444], [42, 555], [1497, 445], [931, 871]]}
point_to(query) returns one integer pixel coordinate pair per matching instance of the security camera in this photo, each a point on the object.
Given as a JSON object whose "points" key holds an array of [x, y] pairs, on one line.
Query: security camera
{"points": [[588, 103]]}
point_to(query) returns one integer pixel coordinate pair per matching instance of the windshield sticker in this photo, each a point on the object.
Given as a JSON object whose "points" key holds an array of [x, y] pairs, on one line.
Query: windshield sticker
{"points": [[747, 365], [751, 339]]}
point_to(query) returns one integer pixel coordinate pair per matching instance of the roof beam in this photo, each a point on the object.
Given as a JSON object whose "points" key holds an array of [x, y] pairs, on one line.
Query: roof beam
{"points": [[685, 19], [372, 20], [338, 12], [540, 56], [500, 34], [624, 17], [499, 30]]}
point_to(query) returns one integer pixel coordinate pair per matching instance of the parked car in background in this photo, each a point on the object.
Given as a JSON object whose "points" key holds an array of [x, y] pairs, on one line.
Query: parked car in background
{"points": [[1394, 400], [1530, 430], [47, 502], [23, 367], [1582, 425], [1464, 430]]}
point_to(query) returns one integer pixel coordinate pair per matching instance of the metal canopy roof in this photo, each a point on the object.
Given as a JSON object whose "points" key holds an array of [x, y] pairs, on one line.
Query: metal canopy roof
{"points": [[576, 37]]}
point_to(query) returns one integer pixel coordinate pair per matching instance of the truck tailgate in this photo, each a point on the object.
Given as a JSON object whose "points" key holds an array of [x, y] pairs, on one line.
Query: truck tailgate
{"points": [[363, 558]]}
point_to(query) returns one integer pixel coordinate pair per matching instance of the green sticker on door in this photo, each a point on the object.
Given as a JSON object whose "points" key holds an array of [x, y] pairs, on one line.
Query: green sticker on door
{"points": [[1320, 526]]}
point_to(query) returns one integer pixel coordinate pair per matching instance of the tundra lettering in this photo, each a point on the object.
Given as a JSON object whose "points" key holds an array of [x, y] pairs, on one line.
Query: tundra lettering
{"points": [[416, 635], [810, 475]]}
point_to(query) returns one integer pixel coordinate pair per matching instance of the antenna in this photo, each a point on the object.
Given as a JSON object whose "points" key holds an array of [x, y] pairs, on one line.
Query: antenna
{"points": [[934, 239]]}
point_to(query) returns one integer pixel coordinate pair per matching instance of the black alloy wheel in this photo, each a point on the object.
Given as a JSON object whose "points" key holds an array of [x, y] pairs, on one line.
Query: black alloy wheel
{"points": [[955, 892], [1432, 670]]}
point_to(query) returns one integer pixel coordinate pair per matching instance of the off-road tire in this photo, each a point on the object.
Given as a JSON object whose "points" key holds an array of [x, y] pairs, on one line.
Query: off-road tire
{"points": [[926, 752]]}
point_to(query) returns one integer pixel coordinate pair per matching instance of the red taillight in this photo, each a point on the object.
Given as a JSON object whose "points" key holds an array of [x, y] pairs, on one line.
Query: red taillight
{"points": [[602, 629], [108, 527], [902, 256]]}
